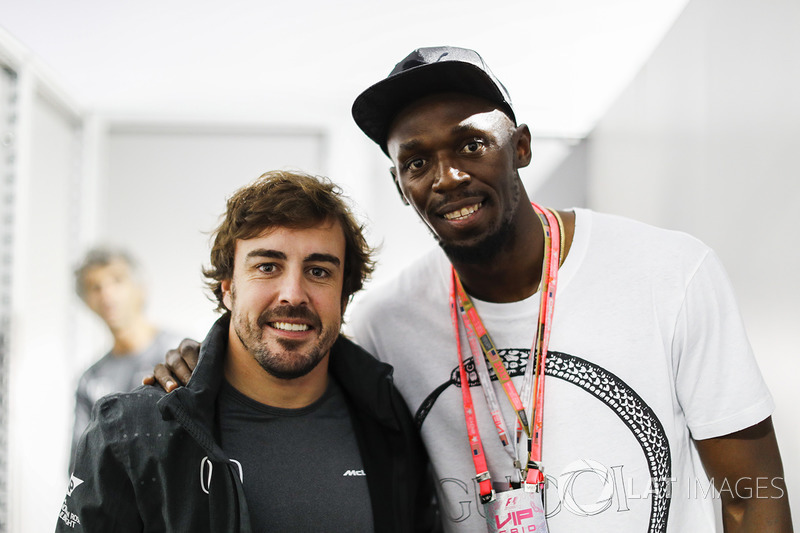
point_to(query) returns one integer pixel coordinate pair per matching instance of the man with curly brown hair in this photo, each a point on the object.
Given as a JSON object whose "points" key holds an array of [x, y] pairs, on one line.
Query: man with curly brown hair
{"points": [[285, 425]]}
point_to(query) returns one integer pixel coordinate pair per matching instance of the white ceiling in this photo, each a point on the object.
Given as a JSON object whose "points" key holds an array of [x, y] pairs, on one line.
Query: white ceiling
{"points": [[563, 61]]}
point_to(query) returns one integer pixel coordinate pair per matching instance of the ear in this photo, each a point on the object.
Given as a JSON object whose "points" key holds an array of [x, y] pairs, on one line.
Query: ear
{"points": [[522, 146], [393, 171], [227, 300]]}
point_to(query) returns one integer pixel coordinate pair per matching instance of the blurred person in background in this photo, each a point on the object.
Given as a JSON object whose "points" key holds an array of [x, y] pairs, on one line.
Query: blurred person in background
{"points": [[109, 282]]}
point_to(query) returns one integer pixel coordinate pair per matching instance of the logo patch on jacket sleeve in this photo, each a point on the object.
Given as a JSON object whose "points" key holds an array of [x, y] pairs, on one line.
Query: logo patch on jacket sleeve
{"points": [[73, 484]]}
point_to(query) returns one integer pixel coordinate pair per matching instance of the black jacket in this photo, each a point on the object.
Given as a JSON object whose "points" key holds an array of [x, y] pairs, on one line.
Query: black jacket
{"points": [[140, 463]]}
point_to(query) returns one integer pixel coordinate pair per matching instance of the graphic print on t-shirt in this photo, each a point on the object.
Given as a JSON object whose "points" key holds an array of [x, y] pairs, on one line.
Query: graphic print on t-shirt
{"points": [[604, 386]]}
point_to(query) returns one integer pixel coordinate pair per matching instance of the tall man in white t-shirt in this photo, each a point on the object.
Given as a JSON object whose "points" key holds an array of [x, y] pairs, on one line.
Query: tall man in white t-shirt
{"points": [[651, 383], [651, 386]]}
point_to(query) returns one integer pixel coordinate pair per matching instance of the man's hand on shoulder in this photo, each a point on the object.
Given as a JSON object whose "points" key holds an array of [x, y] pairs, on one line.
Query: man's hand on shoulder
{"points": [[177, 368]]}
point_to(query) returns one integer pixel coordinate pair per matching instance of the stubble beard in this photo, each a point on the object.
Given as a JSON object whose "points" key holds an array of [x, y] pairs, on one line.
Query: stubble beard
{"points": [[287, 362]]}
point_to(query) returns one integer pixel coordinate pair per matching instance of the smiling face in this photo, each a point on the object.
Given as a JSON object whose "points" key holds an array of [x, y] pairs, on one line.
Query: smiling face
{"points": [[285, 298], [455, 159]]}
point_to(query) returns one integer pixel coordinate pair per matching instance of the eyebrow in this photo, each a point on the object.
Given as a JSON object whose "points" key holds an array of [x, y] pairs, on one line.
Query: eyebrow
{"points": [[276, 254], [262, 252], [320, 257], [465, 128], [408, 146]]}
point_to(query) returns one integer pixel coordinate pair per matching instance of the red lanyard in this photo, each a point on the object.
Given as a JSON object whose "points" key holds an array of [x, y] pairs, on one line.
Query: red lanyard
{"points": [[481, 343]]}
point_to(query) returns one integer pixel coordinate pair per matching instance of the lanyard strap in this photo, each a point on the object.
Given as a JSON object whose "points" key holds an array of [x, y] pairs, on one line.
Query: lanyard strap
{"points": [[535, 474], [480, 366], [481, 343], [478, 457], [475, 328]]}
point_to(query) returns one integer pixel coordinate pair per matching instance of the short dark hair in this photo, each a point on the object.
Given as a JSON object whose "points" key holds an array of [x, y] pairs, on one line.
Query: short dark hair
{"points": [[100, 256], [292, 200]]}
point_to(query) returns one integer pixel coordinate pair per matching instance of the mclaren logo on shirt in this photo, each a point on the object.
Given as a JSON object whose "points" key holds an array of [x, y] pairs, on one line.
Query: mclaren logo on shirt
{"points": [[354, 473], [207, 470]]}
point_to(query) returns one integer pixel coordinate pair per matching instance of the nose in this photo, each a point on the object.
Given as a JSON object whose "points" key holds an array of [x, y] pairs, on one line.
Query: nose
{"points": [[106, 293], [293, 289], [448, 177]]}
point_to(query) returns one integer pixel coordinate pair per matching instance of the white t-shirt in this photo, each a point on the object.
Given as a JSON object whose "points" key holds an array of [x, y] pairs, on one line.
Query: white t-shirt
{"points": [[647, 351]]}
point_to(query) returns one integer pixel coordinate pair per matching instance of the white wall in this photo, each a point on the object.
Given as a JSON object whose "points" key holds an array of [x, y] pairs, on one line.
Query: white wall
{"points": [[705, 140], [7, 91]]}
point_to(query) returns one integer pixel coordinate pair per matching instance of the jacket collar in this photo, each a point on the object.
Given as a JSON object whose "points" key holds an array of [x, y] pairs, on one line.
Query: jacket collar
{"points": [[194, 406]]}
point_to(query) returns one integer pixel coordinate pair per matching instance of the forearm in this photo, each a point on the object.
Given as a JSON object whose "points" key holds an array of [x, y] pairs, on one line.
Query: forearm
{"points": [[747, 472], [763, 508]]}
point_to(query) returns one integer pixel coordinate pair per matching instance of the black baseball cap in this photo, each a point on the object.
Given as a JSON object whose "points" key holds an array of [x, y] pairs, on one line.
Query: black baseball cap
{"points": [[426, 71]]}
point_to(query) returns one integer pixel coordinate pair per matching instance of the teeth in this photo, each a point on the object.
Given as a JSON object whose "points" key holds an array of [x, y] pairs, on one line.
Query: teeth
{"points": [[286, 326], [462, 213]]}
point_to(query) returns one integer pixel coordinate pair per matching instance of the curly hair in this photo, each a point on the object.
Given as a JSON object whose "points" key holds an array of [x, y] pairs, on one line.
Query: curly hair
{"points": [[292, 200]]}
